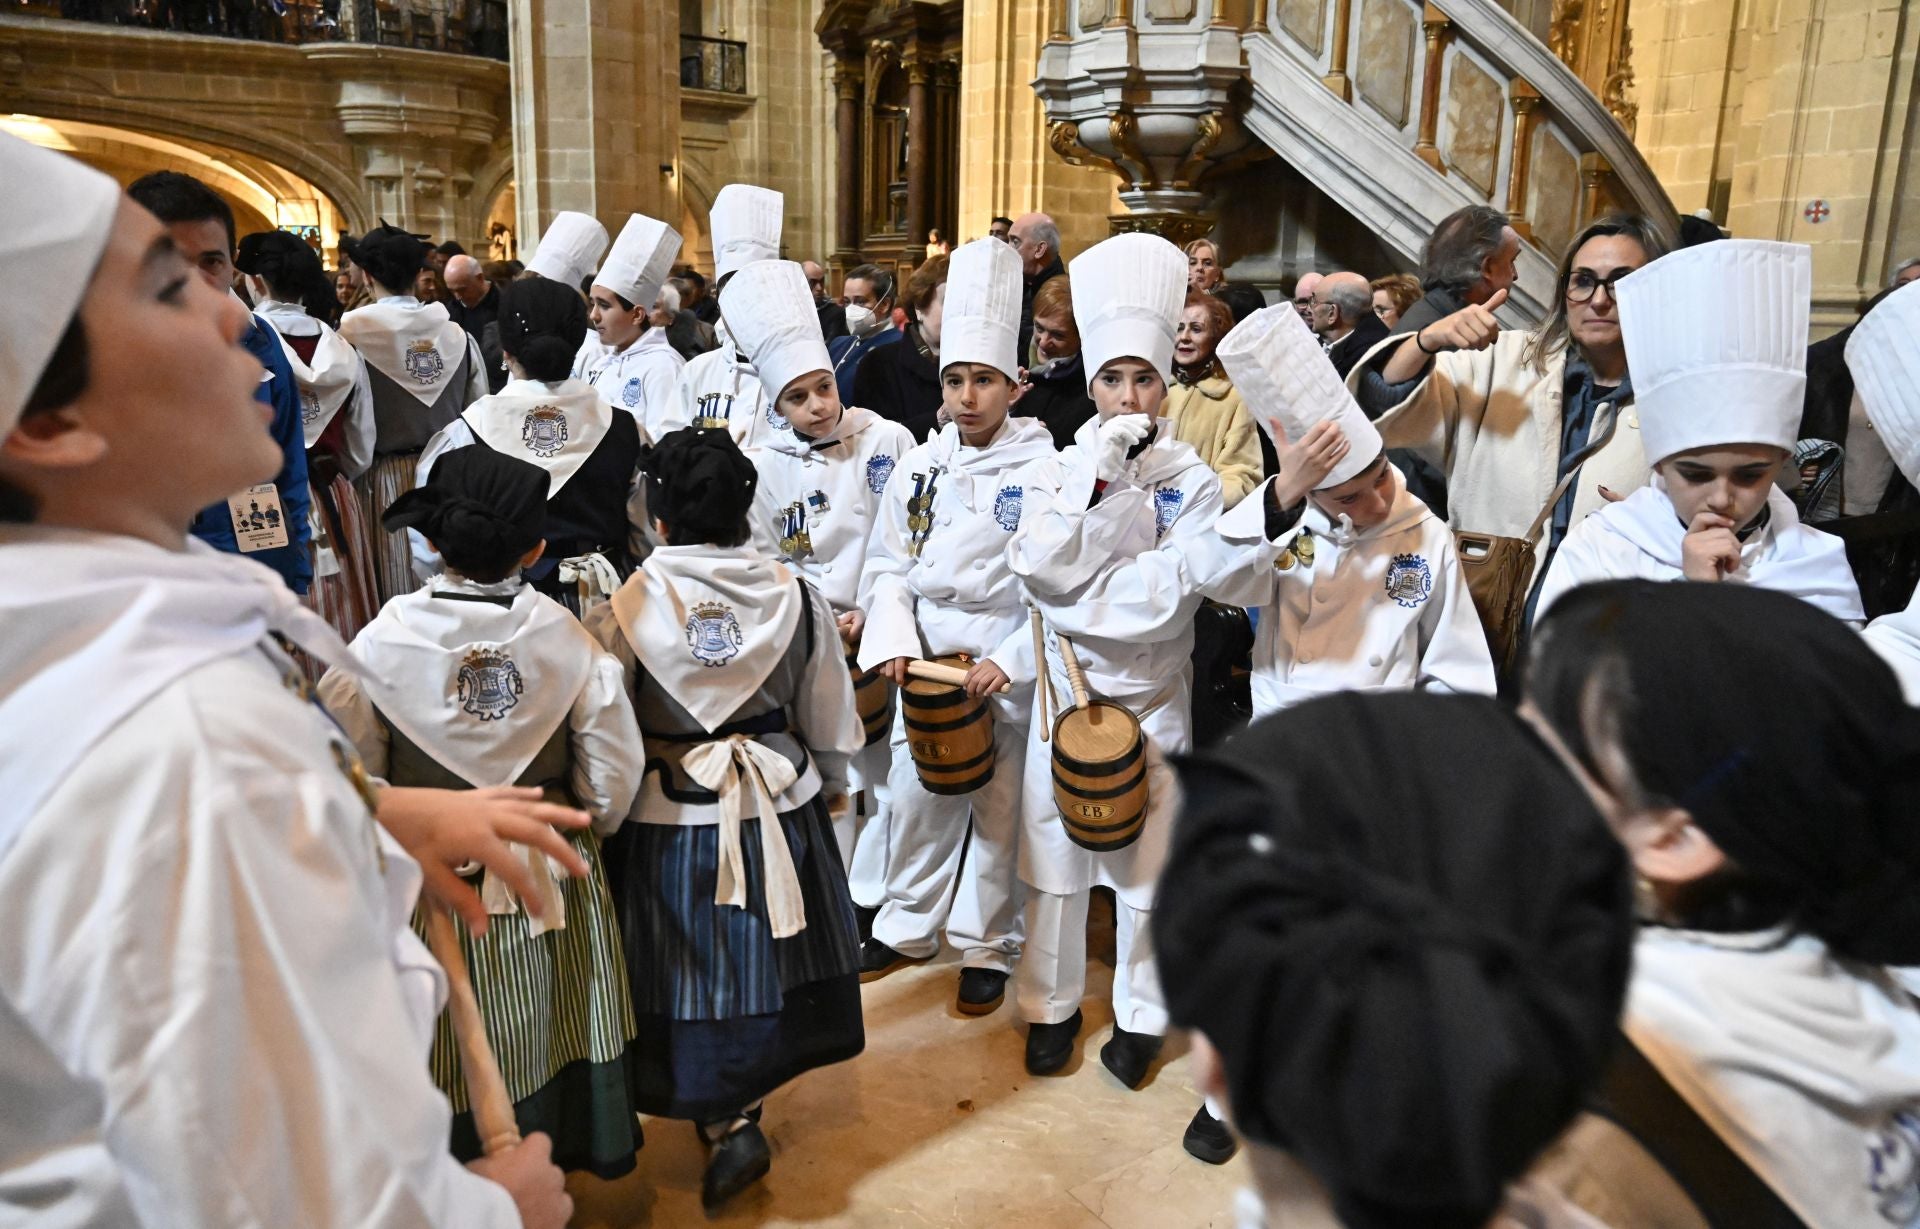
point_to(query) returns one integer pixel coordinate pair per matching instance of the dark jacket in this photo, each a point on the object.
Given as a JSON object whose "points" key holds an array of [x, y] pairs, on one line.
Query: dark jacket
{"points": [[482, 323], [691, 335], [1031, 286], [848, 351], [833, 319], [1059, 399], [900, 382], [214, 525], [1429, 307], [1367, 334]]}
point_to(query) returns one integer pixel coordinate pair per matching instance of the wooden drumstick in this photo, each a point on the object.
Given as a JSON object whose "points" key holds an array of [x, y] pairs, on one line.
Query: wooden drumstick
{"points": [[493, 1118], [1044, 682], [934, 672], [1076, 677]]}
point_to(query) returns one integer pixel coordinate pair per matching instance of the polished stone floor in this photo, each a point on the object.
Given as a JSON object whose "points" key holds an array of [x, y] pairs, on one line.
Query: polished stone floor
{"points": [[938, 1124]]}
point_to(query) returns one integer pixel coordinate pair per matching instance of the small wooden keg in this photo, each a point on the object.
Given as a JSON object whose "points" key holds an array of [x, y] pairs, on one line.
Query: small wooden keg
{"points": [[1099, 767], [949, 733], [873, 696]]}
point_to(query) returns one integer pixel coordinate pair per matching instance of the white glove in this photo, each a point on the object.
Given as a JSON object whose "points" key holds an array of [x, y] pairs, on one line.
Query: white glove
{"points": [[1118, 435]]}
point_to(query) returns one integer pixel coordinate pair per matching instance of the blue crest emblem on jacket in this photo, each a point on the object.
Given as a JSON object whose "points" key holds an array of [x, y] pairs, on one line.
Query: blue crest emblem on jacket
{"points": [[544, 430], [310, 407], [1006, 506], [713, 634], [423, 362], [1166, 507], [1409, 580], [776, 419], [879, 469], [630, 394], [490, 684]]}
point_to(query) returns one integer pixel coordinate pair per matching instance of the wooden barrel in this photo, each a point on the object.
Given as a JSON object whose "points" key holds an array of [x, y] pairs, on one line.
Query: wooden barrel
{"points": [[1100, 775], [949, 733], [873, 696]]}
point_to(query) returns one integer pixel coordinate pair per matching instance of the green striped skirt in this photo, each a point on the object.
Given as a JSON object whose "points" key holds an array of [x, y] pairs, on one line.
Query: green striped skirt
{"points": [[560, 1020]]}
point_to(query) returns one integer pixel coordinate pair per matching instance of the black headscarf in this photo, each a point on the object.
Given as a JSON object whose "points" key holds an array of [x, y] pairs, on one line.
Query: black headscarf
{"points": [[479, 506], [1405, 928], [1773, 725], [700, 484], [391, 256]]}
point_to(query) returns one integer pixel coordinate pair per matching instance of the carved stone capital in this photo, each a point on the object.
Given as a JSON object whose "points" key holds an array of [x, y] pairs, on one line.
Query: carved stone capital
{"points": [[1178, 229]]}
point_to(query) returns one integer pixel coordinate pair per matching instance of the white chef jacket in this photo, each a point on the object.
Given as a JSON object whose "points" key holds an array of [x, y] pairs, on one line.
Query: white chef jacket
{"points": [[1114, 578], [1641, 537], [958, 595], [1806, 1066], [721, 384], [831, 487], [212, 1008], [639, 379], [1384, 609]]}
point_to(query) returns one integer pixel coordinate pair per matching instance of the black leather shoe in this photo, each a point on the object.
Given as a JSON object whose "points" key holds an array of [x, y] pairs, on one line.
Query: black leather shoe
{"points": [[1049, 1046], [877, 960], [1128, 1055], [1207, 1139], [981, 991], [863, 921], [739, 1160]]}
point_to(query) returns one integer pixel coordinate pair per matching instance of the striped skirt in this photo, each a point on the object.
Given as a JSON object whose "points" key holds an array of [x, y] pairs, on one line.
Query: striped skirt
{"points": [[344, 591], [727, 1013], [558, 1015], [390, 477]]}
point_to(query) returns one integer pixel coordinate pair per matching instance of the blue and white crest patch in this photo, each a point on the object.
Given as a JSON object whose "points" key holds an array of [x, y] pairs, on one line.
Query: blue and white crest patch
{"points": [[423, 362], [630, 394], [713, 634], [776, 419], [1166, 509], [490, 684], [544, 430], [1006, 506], [1409, 580], [879, 469], [1893, 1168]]}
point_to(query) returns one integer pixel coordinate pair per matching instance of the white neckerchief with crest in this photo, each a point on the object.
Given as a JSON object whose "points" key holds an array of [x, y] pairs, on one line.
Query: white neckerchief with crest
{"points": [[414, 344], [709, 624], [555, 426], [328, 381]]}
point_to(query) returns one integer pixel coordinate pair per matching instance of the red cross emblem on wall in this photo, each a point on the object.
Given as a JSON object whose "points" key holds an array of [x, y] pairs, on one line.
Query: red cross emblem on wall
{"points": [[1816, 212]]}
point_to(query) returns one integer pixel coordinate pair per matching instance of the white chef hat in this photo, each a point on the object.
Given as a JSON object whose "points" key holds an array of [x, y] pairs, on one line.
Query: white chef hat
{"points": [[1716, 339], [569, 248], [56, 214], [745, 225], [639, 261], [1127, 296], [1884, 356], [980, 322], [1281, 372], [770, 312]]}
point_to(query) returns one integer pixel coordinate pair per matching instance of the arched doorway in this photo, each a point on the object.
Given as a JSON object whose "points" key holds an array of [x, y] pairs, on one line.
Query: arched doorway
{"points": [[264, 196]]}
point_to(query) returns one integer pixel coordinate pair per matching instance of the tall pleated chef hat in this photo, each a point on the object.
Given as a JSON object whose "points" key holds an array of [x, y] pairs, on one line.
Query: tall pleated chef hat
{"points": [[980, 322], [55, 216], [745, 224], [770, 311], [640, 260], [1884, 356], [569, 249], [1127, 296], [1281, 372], [1716, 339]]}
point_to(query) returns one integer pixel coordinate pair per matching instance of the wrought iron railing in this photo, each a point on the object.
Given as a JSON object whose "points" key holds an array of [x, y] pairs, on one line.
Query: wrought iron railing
{"points": [[470, 27], [717, 64]]}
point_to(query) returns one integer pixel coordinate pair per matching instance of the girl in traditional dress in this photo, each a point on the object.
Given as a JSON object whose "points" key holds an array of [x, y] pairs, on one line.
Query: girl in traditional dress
{"points": [[820, 487], [937, 583], [1717, 339], [487, 682], [1098, 551], [590, 451], [290, 292], [423, 370], [733, 900]]}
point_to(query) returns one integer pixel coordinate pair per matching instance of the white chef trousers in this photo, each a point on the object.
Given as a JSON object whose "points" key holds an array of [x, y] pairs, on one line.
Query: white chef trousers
{"points": [[929, 848], [1053, 968], [861, 831]]}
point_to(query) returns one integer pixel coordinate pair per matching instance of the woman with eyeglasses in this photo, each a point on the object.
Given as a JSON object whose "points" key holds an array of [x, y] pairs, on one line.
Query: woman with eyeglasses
{"points": [[1506, 415]]}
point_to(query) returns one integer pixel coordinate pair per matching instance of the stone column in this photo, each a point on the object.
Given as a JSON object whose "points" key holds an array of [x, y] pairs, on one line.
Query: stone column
{"points": [[596, 110], [920, 155], [848, 77]]}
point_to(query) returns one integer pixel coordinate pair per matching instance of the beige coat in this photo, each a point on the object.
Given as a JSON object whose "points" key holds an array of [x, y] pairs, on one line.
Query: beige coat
{"points": [[1491, 423], [1211, 417]]}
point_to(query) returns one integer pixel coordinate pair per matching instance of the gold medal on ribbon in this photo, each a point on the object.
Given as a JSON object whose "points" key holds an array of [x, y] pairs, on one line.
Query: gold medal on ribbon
{"points": [[1303, 548]]}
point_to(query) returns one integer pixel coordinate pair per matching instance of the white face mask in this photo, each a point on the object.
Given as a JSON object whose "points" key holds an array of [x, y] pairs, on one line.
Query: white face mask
{"points": [[861, 321]]}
